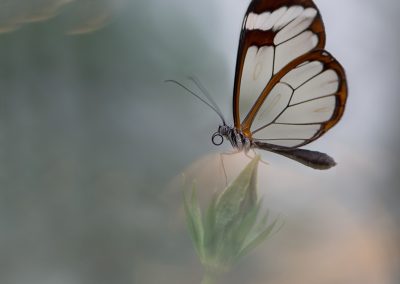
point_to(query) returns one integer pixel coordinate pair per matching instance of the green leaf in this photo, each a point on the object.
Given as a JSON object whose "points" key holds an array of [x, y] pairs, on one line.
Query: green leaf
{"points": [[240, 196], [258, 238], [246, 225], [231, 225], [210, 232], [194, 221], [235, 213]]}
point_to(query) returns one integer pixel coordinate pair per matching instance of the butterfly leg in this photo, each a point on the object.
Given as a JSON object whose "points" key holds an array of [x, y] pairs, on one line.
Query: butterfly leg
{"points": [[223, 165], [223, 168]]}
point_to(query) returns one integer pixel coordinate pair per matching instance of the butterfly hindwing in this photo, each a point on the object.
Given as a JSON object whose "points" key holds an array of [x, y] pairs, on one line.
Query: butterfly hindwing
{"points": [[307, 101]]}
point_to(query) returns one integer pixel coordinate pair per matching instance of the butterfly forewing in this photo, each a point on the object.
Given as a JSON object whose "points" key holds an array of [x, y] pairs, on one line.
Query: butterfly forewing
{"points": [[287, 91], [273, 34]]}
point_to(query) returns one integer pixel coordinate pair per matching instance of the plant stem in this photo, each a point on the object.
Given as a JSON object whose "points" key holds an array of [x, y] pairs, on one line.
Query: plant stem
{"points": [[209, 278]]}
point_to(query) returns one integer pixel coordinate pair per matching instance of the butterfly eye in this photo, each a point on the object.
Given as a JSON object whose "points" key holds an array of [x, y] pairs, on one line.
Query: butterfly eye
{"points": [[217, 139]]}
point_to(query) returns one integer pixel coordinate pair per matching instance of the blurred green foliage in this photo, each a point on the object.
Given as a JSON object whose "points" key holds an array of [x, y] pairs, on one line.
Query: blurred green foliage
{"points": [[232, 225]]}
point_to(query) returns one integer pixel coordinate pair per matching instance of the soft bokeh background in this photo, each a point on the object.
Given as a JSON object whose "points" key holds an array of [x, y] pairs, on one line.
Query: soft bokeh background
{"points": [[91, 137]]}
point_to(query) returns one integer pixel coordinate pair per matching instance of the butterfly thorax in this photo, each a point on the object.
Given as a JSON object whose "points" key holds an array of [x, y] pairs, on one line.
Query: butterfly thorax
{"points": [[238, 140]]}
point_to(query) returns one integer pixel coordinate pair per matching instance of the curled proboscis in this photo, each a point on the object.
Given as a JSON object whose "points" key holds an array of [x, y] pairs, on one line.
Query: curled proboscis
{"points": [[217, 139]]}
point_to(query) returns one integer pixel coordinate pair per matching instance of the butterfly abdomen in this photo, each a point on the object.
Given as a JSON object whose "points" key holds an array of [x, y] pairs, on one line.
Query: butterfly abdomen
{"points": [[312, 159]]}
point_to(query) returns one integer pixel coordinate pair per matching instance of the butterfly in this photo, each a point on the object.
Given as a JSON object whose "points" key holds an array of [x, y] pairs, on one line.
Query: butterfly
{"points": [[288, 90]]}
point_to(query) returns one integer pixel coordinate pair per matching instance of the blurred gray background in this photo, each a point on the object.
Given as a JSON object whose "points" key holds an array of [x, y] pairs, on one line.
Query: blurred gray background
{"points": [[91, 137]]}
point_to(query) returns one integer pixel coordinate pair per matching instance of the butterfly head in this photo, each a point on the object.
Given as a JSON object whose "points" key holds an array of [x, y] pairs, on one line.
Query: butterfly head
{"points": [[223, 131]]}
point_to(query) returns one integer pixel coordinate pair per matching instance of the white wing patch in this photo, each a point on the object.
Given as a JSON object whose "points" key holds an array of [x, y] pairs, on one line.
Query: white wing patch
{"points": [[296, 26], [264, 21], [286, 22], [280, 18], [292, 13]]}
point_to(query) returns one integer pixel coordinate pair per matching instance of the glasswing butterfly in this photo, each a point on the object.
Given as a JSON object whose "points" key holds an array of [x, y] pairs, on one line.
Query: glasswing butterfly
{"points": [[288, 90]]}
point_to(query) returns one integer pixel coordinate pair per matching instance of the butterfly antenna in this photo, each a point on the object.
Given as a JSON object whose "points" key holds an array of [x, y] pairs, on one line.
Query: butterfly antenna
{"points": [[201, 87], [216, 109]]}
